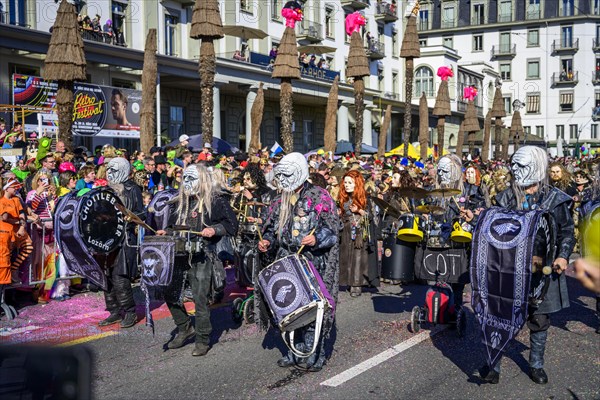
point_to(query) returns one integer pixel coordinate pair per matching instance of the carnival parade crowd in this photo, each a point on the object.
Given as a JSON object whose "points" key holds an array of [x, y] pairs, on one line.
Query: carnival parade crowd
{"points": [[344, 214]]}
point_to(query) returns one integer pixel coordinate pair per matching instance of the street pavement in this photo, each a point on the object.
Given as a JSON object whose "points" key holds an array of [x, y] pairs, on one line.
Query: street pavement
{"points": [[135, 364]]}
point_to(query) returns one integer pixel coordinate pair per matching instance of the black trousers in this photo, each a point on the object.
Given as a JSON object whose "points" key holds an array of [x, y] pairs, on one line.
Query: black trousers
{"points": [[119, 296], [199, 276]]}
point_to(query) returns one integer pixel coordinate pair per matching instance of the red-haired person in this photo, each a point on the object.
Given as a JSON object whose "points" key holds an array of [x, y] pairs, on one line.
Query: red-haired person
{"points": [[356, 245]]}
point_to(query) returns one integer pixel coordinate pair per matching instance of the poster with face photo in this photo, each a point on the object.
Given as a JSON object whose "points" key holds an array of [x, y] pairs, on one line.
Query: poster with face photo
{"points": [[101, 111]]}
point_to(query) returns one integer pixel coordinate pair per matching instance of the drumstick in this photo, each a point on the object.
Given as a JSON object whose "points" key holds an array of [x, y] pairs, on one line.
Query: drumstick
{"points": [[258, 230], [302, 247]]}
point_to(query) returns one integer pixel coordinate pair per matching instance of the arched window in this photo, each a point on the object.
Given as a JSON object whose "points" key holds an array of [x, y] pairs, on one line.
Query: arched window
{"points": [[423, 82]]}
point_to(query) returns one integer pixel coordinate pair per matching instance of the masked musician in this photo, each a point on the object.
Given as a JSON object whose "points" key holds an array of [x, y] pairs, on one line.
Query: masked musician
{"points": [[530, 192], [203, 207], [304, 215], [449, 176], [473, 190], [124, 268], [253, 190], [356, 241]]}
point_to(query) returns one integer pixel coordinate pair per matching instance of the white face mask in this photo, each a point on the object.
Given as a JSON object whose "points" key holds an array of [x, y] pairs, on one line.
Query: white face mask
{"points": [[291, 172], [349, 184], [117, 170], [191, 180], [444, 170], [471, 176], [529, 165]]}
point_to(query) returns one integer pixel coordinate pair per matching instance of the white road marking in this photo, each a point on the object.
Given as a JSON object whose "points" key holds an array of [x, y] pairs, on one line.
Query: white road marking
{"points": [[23, 329], [380, 358]]}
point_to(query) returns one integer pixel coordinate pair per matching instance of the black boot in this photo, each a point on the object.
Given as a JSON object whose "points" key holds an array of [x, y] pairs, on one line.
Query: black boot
{"points": [[200, 349], [489, 375], [287, 360], [113, 318], [185, 333], [538, 375], [129, 320]]}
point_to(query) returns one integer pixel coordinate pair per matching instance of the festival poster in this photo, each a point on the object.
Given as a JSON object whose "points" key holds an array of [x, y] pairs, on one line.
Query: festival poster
{"points": [[101, 111]]}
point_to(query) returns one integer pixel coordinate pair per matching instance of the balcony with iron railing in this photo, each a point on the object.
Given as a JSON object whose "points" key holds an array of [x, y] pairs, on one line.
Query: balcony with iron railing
{"points": [[504, 51], [265, 62], [375, 49], [448, 23], [355, 4], [565, 79], [423, 25], [392, 96], [309, 30], [596, 45], [5, 19], [565, 46], [386, 12]]}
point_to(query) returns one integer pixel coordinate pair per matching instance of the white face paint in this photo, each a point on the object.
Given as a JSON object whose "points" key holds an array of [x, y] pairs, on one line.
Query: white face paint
{"points": [[471, 175], [117, 170], [191, 180], [248, 183], [444, 170], [349, 184], [396, 180]]}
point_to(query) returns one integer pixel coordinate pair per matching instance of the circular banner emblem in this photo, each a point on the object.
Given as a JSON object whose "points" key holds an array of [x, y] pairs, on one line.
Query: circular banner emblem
{"points": [[101, 223], [388, 252], [284, 290]]}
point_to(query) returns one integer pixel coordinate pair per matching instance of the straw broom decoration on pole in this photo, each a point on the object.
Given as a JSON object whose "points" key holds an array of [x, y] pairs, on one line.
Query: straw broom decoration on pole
{"points": [[358, 67], [423, 126], [286, 68], [487, 128], [207, 26], [256, 116], [147, 115], [65, 63], [442, 105], [516, 126], [331, 117], [383, 131], [471, 122], [409, 51], [498, 112]]}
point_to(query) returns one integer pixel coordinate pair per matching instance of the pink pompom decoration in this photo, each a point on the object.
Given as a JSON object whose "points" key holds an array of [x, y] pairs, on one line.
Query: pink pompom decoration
{"points": [[445, 73], [354, 22], [291, 16], [469, 93]]}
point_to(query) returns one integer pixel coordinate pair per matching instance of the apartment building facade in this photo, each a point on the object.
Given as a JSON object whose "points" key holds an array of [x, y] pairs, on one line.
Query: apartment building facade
{"points": [[117, 61], [546, 53]]}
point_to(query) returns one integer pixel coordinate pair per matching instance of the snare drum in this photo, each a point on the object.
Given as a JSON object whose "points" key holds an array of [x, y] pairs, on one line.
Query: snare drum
{"points": [[411, 229], [462, 231], [296, 296], [249, 229]]}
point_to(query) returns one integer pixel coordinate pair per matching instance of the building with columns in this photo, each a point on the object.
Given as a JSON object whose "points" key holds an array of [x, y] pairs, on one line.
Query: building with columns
{"points": [[546, 52], [448, 39]]}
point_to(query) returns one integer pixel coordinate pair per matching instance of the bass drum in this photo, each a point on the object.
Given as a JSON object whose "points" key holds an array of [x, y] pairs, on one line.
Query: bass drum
{"points": [[101, 223], [159, 209], [398, 261]]}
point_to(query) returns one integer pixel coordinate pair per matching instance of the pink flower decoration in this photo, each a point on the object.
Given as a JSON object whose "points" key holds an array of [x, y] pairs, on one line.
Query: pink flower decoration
{"points": [[291, 15], [354, 22], [445, 73], [469, 93]]}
